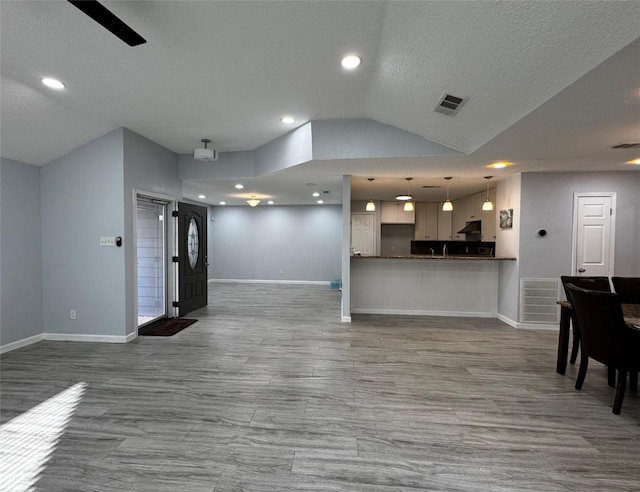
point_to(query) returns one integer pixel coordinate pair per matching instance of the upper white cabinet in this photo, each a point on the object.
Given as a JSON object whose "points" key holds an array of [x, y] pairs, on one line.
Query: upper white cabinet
{"points": [[394, 213], [426, 221], [468, 209], [444, 223], [489, 218], [462, 211]]}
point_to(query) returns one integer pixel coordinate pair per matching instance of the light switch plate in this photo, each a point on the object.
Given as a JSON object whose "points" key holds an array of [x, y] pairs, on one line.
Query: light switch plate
{"points": [[107, 241]]}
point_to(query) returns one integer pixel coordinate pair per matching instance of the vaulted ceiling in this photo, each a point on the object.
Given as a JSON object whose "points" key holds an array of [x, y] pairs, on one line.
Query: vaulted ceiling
{"points": [[551, 85]]}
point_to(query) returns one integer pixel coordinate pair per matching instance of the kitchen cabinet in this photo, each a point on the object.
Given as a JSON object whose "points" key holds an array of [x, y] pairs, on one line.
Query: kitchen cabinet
{"points": [[426, 221], [444, 223], [394, 213], [489, 218], [466, 210], [459, 217]]}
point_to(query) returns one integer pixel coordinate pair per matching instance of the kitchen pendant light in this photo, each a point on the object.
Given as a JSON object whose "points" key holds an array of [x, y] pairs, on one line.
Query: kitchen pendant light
{"points": [[447, 206], [253, 201], [371, 207], [487, 205], [408, 205]]}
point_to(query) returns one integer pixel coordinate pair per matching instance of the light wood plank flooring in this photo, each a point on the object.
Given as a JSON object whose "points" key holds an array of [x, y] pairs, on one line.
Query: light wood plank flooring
{"points": [[269, 391]]}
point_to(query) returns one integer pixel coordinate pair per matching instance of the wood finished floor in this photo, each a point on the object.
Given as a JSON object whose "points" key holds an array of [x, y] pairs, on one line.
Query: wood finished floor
{"points": [[269, 391]]}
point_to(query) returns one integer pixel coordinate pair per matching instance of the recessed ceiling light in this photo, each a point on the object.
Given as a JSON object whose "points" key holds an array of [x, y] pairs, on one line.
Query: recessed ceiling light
{"points": [[270, 202], [288, 119], [320, 201], [239, 186], [499, 165], [223, 203], [315, 193], [201, 196], [350, 62], [634, 161], [53, 83]]}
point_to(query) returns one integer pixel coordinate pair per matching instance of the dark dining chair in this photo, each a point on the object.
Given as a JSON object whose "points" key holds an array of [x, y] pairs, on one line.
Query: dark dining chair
{"points": [[605, 337], [591, 283], [628, 289]]}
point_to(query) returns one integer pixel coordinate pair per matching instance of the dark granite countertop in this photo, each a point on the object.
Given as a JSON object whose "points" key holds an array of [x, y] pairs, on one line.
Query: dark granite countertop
{"points": [[435, 257]]}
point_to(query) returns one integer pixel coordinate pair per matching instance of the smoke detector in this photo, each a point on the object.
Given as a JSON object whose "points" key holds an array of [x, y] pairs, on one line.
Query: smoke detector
{"points": [[207, 155]]}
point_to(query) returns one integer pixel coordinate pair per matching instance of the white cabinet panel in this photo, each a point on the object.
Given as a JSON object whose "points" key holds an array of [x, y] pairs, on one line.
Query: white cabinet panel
{"points": [[426, 216], [394, 213], [444, 223], [489, 219], [388, 213]]}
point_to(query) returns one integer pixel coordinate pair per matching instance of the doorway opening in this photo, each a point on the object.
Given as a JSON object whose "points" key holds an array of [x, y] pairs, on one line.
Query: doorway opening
{"points": [[151, 251]]}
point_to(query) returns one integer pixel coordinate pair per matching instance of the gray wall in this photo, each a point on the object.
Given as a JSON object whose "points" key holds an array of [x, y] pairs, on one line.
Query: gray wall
{"points": [[147, 167], [256, 243], [508, 196], [82, 199], [20, 252], [547, 203]]}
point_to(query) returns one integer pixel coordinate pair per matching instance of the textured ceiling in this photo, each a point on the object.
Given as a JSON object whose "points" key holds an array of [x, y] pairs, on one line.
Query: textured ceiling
{"points": [[551, 84]]}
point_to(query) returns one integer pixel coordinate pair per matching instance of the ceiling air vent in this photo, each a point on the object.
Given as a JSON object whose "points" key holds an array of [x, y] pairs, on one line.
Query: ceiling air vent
{"points": [[449, 105], [626, 146]]}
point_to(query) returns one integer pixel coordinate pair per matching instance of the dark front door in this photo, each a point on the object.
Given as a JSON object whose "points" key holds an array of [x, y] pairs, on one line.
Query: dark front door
{"points": [[192, 257]]}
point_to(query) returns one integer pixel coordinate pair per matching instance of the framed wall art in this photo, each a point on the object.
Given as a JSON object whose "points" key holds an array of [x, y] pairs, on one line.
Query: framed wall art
{"points": [[506, 219]]}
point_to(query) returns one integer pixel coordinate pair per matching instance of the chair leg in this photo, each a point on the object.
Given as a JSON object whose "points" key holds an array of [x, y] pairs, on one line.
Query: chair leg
{"points": [[584, 362], [612, 376], [575, 346], [633, 380], [622, 383]]}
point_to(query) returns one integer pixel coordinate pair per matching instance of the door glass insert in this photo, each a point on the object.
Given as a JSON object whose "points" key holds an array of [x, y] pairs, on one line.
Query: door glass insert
{"points": [[151, 250], [193, 245]]}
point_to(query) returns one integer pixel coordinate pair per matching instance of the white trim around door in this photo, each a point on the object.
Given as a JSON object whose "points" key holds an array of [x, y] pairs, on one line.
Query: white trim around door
{"points": [[609, 231]]}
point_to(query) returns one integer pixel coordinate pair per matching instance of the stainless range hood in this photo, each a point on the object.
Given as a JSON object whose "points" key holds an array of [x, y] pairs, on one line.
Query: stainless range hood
{"points": [[473, 227]]}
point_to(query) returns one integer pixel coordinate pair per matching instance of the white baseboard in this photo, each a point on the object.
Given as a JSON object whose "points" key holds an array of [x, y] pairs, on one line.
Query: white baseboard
{"points": [[21, 343], [408, 312], [508, 321], [528, 326], [538, 326], [66, 337], [252, 281], [74, 337], [346, 319]]}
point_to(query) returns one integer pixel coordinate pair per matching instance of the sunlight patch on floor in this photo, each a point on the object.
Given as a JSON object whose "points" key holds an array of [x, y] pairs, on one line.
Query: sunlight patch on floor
{"points": [[28, 440]]}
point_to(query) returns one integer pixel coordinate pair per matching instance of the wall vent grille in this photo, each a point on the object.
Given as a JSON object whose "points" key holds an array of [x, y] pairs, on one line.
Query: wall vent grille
{"points": [[449, 105], [538, 297]]}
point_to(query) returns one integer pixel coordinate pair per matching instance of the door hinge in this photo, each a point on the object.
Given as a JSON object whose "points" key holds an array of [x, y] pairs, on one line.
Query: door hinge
{"points": [[175, 259], [175, 304], [174, 213], [610, 211]]}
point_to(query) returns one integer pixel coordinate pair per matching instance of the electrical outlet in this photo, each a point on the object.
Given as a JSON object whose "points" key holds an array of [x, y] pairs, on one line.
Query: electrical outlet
{"points": [[107, 241], [281, 271], [73, 314]]}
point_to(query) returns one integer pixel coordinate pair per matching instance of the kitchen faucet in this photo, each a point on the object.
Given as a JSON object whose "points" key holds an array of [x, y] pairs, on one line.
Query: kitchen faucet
{"points": [[431, 249], [444, 251]]}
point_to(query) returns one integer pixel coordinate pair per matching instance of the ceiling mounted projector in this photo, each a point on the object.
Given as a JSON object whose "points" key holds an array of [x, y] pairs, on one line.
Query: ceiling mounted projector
{"points": [[207, 155]]}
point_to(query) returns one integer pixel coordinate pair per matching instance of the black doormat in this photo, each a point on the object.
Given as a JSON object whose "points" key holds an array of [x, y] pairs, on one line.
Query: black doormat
{"points": [[166, 327]]}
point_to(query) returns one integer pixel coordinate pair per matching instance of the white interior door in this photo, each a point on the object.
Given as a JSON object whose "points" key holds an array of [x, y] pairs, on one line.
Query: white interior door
{"points": [[362, 234], [594, 225]]}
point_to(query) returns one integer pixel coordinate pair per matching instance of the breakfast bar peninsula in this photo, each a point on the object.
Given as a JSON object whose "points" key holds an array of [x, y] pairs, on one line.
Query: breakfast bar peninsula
{"points": [[456, 285]]}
